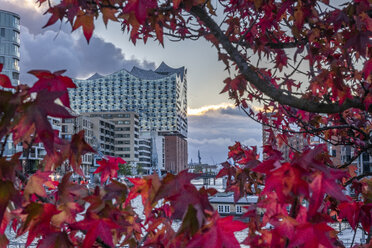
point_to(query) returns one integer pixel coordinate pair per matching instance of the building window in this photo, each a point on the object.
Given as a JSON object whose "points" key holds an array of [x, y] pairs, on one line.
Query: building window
{"points": [[333, 153], [238, 209], [227, 209], [223, 208], [16, 75]]}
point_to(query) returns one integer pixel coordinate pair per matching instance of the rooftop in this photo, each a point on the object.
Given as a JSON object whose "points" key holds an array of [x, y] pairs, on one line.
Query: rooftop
{"points": [[161, 72], [228, 197]]}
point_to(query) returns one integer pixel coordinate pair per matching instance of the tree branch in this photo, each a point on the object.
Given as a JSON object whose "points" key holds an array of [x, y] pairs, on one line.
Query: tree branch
{"points": [[264, 85], [358, 178]]}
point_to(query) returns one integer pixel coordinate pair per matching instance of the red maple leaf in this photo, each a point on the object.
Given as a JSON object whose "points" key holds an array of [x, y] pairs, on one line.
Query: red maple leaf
{"points": [[219, 234], [77, 148], [140, 8], [286, 181], [53, 82], [55, 240], [172, 185], [4, 79], [96, 227], [109, 168], [7, 193], [35, 115], [322, 185], [367, 69], [356, 212], [108, 14], [37, 223], [87, 22], [309, 235], [3, 240], [147, 187], [35, 184], [69, 191]]}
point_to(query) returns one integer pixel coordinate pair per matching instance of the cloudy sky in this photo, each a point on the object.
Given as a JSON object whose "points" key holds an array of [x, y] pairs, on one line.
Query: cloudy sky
{"points": [[214, 123]]}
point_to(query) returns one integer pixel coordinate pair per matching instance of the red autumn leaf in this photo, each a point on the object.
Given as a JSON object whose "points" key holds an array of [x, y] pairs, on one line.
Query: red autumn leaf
{"points": [[57, 14], [37, 223], [3, 240], [199, 199], [227, 170], [109, 167], [322, 185], [35, 184], [367, 69], [309, 235], [4, 79], [36, 115], [181, 193], [147, 187], [69, 191], [7, 192], [67, 214], [78, 147], [116, 190], [53, 82], [356, 212], [8, 167], [96, 227], [159, 33], [368, 101], [281, 60], [172, 185], [219, 234], [108, 14], [286, 181], [55, 240], [140, 8], [87, 22]]}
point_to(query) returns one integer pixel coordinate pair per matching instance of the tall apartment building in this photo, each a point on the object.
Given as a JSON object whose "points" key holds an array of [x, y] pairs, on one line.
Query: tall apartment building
{"points": [[9, 44], [72, 126], [159, 97], [111, 133], [117, 133]]}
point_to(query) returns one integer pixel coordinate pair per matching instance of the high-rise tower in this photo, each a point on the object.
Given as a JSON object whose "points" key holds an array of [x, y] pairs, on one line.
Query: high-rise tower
{"points": [[9, 44]]}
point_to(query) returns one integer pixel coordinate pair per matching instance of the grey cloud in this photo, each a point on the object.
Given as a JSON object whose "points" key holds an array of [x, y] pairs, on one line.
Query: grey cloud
{"points": [[56, 48], [55, 51], [232, 111], [32, 17], [214, 131]]}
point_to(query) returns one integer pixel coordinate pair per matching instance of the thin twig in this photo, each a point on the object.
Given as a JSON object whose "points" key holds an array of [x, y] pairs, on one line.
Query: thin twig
{"points": [[352, 242]]}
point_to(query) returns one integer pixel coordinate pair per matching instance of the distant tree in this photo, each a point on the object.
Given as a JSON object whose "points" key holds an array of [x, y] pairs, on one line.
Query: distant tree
{"points": [[125, 169], [305, 63], [139, 169]]}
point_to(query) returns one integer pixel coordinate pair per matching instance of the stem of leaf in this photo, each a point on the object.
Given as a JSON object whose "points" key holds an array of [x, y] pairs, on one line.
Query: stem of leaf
{"points": [[352, 242]]}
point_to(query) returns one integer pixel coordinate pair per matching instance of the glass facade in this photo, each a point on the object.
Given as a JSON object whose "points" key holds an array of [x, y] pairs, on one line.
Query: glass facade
{"points": [[9, 44], [159, 97]]}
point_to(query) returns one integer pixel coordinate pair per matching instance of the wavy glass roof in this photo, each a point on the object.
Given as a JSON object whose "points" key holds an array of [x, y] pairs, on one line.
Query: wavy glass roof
{"points": [[161, 72]]}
